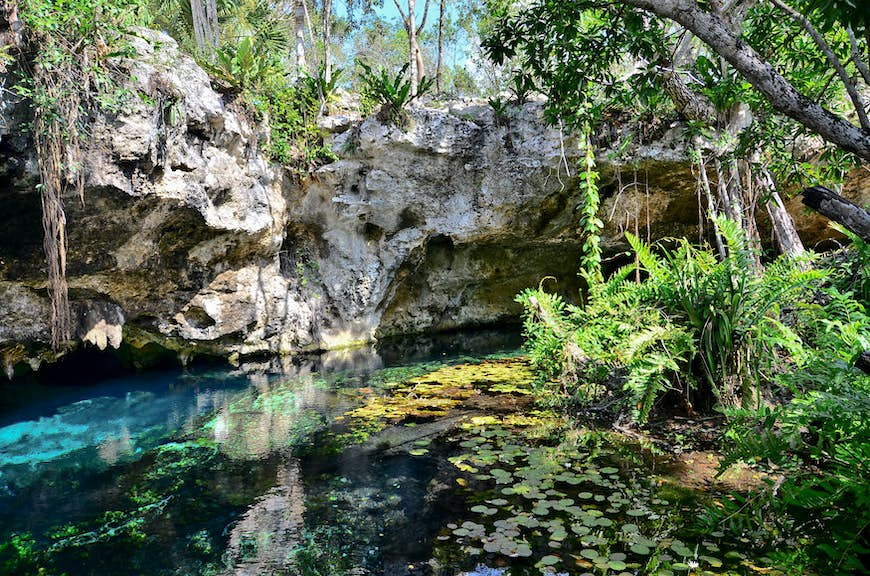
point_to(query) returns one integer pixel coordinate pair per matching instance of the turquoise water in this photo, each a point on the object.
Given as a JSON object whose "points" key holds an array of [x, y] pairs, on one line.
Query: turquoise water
{"points": [[220, 471]]}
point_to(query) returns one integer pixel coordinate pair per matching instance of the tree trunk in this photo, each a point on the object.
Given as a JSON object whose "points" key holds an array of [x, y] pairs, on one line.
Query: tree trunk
{"points": [[326, 16], [439, 72], [200, 35], [783, 225], [299, 16], [783, 96], [838, 209], [211, 20], [413, 49]]}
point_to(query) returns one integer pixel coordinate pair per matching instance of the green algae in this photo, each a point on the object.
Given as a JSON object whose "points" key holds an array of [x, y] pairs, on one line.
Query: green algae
{"points": [[433, 395]]}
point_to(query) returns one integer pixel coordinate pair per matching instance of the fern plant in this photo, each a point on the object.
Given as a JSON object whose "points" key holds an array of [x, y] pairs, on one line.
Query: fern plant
{"points": [[817, 443], [730, 308], [616, 332], [706, 328]]}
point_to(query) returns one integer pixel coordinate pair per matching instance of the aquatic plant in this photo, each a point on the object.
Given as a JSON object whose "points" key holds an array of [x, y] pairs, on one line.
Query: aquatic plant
{"points": [[562, 505], [433, 395]]}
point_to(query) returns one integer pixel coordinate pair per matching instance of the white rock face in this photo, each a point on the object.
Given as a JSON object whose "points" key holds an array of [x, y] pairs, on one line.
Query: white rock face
{"points": [[424, 225], [189, 237]]}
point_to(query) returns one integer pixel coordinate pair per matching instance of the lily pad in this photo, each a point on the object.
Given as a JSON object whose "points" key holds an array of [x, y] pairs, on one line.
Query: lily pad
{"points": [[549, 560]]}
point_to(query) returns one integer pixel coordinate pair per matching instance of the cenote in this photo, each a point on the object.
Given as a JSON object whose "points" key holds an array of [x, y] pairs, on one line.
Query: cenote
{"points": [[424, 456]]}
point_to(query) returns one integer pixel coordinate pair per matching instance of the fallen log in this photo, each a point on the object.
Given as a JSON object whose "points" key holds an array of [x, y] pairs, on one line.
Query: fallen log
{"points": [[828, 203]]}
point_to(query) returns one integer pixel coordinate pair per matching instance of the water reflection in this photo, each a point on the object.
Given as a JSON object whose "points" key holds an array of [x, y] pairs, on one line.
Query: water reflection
{"points": [[262, 541], [271, 416], [198, 472]]}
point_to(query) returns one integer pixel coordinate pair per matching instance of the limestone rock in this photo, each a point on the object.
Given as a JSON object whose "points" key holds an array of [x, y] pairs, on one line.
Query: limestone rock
{"points": [[189, 238]]}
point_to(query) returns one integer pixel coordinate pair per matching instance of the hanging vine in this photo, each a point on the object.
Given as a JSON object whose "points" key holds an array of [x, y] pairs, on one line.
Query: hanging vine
{"points": [[67, 76], [590, 223], [55, 122]]}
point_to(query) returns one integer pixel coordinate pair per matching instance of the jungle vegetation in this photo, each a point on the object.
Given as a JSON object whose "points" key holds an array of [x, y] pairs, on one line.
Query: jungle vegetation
{"points": [[773, 95]]}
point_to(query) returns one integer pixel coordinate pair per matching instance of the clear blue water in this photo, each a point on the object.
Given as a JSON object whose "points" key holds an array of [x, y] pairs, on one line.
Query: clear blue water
{"points": [[214, 470]]}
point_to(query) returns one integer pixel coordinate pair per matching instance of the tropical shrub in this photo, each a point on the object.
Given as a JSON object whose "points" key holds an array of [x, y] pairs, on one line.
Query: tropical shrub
{"points": [[243, 65], [320, 85], [292, 110], [391, 93], [852, 274], [815, 447], [731, 308], [697, 325]]}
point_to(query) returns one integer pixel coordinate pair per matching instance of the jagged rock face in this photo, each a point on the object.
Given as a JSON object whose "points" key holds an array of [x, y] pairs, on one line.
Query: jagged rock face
{"points": [[438, 225], [177, 197], [190, 238]]}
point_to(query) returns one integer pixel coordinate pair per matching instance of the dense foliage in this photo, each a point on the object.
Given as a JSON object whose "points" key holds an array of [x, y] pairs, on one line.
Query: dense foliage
{"points": [[774, 350]]}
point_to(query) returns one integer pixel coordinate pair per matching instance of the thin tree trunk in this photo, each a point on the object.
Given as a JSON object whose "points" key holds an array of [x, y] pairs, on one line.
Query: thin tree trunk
{"points": [[711, 207], [415, 56], [212, 30], [411, 26], [299, 15], [440, 70], [200, 36], [783, 225], [326, 16]]}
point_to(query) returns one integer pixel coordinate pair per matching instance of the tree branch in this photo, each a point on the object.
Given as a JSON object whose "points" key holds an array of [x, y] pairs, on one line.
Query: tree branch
{"points": [[838, 209], [425, 16], [820, 41], [856, 56], [401, 13], [781, 94]]}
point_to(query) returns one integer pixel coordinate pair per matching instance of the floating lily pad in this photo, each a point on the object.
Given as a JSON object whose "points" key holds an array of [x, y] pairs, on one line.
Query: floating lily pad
{"points": [[549, 560], [485, 510], [523, 551], [713, 562]]}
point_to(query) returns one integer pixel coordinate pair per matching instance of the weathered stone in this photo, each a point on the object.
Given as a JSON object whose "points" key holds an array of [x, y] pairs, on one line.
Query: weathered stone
{"points": [[189, 238]]}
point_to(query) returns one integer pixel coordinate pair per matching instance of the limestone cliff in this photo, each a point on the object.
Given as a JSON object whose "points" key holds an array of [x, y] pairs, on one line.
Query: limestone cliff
{"points": [[190, 240]]}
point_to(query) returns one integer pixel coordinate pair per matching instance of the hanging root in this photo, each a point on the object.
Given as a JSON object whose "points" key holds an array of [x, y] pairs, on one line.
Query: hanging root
{"points": [[56, 117]]}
